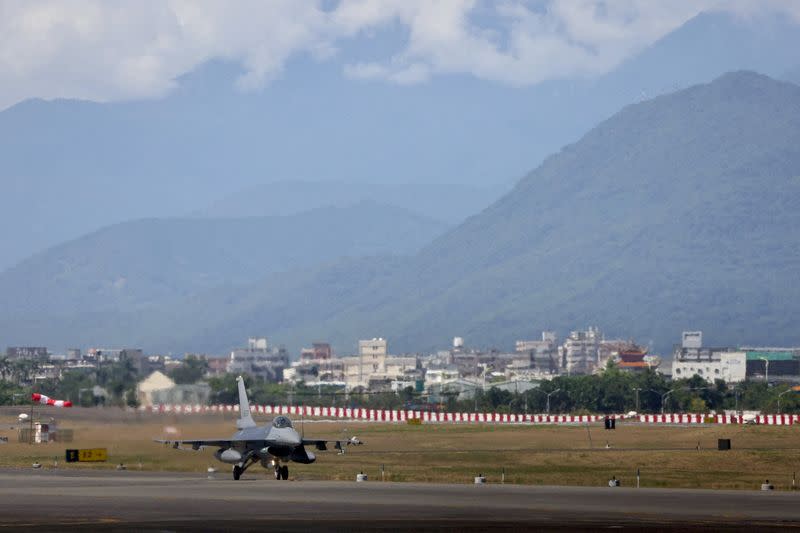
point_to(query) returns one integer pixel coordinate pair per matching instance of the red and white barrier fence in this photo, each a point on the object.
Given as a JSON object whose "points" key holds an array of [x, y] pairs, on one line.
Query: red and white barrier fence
{"points": [[770, 420], [380, 415]]}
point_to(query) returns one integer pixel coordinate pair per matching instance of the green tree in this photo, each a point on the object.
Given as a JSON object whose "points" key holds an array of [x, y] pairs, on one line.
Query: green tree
{"points": [[191, 370], [76, 385], [224, 389], [117, 378], [5, 368], [23, 370], [131, 399], [11, 393]]}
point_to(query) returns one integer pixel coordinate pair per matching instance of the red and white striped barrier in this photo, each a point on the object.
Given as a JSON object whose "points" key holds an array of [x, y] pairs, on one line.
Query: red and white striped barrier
{"points": [[379, 415], [46, 400], [769, 420]]}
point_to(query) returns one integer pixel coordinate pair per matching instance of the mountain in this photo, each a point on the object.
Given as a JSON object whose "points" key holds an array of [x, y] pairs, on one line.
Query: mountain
{"points": [[141, 264], [450, 203], [70, 167], [792, 75], [676, 213]]}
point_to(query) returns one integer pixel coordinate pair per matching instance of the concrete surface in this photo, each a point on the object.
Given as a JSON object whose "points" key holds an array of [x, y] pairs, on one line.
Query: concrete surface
{"points": [[56, 500]]}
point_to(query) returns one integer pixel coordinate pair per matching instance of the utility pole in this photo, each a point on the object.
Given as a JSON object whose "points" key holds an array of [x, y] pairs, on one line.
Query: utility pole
{"points": [[766, 369], [548, 399], [664, 397], [636, 390], [779, 399]]}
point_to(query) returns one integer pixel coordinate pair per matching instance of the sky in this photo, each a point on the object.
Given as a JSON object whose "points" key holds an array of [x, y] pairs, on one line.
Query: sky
{"points": [[116, 51]]}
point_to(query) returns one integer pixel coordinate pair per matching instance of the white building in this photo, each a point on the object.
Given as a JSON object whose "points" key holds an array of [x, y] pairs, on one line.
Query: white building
{"points": [[730, 367], [157, 381], [691, 358], [373, 364], [581, 351], [159, 389]]}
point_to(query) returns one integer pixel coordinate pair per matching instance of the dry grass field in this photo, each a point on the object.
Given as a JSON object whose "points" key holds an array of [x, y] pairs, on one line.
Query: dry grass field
{"points": [[668, 456]]}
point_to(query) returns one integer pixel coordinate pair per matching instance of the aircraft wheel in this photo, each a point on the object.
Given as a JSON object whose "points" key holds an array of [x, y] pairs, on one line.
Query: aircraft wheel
{"points": [[278, 471], [237, 472], [284, 472]]}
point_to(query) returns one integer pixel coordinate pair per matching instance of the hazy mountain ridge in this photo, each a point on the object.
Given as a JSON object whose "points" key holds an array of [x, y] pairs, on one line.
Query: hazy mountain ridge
{"points": [[71, 167], [134, 265], [449, 203], [792, 75], [676, 213]]}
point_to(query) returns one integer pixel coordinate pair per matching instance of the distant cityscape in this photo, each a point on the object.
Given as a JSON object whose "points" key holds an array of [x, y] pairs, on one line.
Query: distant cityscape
{"points": [[459, 370]]}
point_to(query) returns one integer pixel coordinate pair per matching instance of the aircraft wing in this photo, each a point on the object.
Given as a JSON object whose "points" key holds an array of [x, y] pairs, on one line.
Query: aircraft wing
{"points": [[322, 444], [197, 444]]}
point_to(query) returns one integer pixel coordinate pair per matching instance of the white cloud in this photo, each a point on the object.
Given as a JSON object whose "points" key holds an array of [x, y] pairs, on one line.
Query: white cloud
{"points": [[101, 50]]}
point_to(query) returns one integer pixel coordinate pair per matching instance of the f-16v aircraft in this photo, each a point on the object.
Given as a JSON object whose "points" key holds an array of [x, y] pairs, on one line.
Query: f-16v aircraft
{"points": [[270, 445]]}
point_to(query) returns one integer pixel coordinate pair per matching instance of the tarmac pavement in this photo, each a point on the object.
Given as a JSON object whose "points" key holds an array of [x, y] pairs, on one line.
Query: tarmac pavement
{"points": [[57, 500]]}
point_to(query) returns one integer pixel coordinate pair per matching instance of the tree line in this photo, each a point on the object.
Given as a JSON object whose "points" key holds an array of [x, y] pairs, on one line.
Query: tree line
{"points": [[610, 391]]}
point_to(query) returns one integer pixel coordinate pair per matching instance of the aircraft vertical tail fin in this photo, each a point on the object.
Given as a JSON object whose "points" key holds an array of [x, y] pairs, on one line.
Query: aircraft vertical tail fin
{"points": [[245, 420]]}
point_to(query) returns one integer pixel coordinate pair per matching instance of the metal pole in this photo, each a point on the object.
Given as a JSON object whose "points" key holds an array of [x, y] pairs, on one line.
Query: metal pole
{"points": [[637, 478], [664, 397], [30, 433]]}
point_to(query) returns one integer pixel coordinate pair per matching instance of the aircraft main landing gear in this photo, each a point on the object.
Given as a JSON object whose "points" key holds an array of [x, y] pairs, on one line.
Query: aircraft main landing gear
{"points": [[239, 469], [281, 472]]}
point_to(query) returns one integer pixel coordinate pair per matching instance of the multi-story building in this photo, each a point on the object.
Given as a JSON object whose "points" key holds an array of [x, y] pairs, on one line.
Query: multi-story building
{"points": [[319, 351], [114, 354], [259, 360], [691, 358], [374, 369], [27, 352], [773, 364], [581, 351], [543, 353], [729, 366]]}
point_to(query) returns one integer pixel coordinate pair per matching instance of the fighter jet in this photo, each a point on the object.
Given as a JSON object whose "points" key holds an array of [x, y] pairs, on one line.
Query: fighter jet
{"points": [[270, 445]]}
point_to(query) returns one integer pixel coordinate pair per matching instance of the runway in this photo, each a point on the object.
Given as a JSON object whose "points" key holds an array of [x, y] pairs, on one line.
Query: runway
{"points": [[127, 501]]}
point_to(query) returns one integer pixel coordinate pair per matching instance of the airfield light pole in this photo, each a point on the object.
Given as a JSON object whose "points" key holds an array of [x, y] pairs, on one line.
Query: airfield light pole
{"points": [[80, 395], [548, 399], [636, 390], [766, 369], [664, 398], [779, 398]]}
